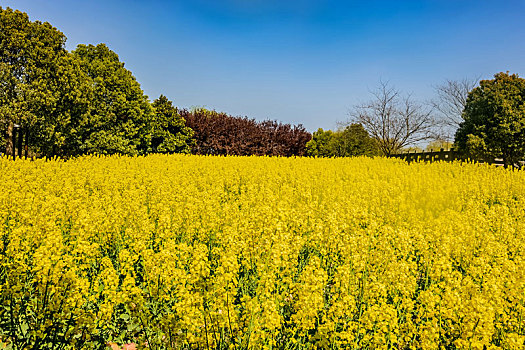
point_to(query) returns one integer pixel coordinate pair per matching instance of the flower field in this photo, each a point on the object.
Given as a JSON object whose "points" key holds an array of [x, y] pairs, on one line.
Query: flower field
{"points": [[194, 252]]}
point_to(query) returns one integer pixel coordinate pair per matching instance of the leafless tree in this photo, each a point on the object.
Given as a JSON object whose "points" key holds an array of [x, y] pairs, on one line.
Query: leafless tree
{"points": [[450, 103], [395, 121]]}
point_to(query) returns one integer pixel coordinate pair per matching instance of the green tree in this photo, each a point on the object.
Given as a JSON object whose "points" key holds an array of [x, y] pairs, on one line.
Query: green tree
{"points": [[494, 120], [15, 72], [169, 131], [57, 130], [319, 145], [41, 85], [120, 118], [351, 141], [67, 104]]}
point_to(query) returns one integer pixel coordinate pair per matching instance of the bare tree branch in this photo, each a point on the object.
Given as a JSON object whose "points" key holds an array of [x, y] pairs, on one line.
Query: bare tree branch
{"points": [[450, 103], [394, 121]]}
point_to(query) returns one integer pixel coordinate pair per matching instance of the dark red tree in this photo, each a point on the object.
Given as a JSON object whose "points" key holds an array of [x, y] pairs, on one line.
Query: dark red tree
{"points": [[222, 134]]}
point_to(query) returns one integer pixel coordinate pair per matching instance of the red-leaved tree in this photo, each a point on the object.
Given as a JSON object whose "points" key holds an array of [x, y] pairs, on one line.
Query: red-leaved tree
{"points": [[222, 134]]}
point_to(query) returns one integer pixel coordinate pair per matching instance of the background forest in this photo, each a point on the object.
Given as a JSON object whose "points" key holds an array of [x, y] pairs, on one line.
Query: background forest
{"points": [[60, 103]]}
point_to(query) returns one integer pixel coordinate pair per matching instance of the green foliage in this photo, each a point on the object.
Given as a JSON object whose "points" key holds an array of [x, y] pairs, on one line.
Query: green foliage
{"points": [[169, 131], [67, 104], [494, 120], [56, 103], [42, 88], [58, 131], [351, 141], [354, 140], [120, 115], [319, 145]]}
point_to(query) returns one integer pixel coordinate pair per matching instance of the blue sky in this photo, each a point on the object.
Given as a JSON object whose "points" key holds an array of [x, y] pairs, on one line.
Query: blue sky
{"points": [[297, 61]]}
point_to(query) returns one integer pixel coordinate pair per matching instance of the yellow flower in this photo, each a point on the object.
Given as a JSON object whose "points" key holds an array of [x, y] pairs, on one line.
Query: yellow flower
{"points": [[258, 252]]}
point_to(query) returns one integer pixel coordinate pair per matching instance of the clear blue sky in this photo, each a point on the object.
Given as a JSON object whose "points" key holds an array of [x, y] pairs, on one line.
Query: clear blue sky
{"points": [[297, 61]]}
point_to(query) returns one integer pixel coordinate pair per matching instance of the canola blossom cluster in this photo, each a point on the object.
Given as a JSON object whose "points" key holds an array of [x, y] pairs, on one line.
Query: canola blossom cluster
{"points": [[202, 252]]}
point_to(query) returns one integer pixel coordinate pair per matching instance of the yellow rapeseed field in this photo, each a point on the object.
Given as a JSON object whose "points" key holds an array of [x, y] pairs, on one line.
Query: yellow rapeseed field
{"points": [[189, 252]]}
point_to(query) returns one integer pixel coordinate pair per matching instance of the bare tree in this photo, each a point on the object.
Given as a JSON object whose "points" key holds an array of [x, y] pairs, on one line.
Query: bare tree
{"points": [[395, 121], [450, 103]]}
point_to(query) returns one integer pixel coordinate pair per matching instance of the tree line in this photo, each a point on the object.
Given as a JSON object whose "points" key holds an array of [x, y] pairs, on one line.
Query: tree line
{"points": [[220, 134], [59, 103], [483, 120]]}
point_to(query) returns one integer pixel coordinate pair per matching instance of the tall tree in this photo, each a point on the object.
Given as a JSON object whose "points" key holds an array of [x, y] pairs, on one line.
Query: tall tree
{"points": [[494, 120], [15, 62], [120, 115], [57, 132], [169, 131], [39, 86], [393, 120]]}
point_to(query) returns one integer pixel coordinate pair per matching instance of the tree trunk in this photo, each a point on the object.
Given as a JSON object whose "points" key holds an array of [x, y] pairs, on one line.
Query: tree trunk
{"points": [[20, 141], [10, 147], [26, 148]]}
